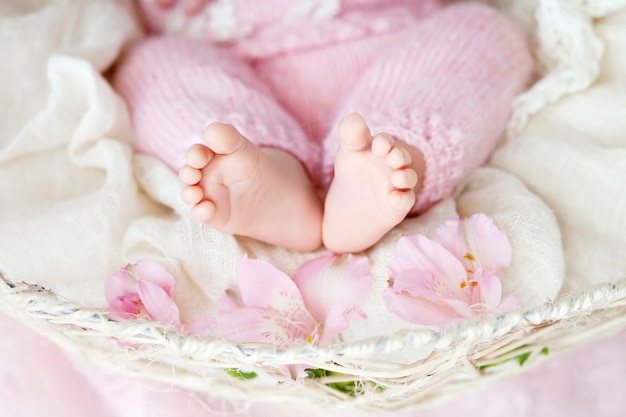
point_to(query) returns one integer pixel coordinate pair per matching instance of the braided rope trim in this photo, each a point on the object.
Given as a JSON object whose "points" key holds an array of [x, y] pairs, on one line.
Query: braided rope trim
{"points": [[440, 363]]}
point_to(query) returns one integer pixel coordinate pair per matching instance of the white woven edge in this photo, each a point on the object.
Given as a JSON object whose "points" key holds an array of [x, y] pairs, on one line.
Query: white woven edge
{"points": [[569, 51], [446, 361]]}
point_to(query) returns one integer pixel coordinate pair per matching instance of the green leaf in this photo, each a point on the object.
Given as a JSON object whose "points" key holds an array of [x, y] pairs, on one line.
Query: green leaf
{"points": [[351, 387], [521, 358], [239, 374], [316, 373], [348, 387]]}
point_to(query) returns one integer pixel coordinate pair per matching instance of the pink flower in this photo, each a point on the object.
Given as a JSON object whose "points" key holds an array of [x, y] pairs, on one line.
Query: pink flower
{"points": [[451, 277], [146, 290], [267, 306]]}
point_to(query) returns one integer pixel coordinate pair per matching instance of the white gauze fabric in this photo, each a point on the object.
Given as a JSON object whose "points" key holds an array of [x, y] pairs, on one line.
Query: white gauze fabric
{"points": [[573, 156], [67, 186]]}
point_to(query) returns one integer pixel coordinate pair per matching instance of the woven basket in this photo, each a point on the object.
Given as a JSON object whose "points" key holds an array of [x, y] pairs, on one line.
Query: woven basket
{"points": [[446, 361]]}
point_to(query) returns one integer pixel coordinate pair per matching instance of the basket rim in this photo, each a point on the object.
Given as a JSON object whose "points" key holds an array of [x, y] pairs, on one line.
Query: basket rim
{"points": [[31, 297]]}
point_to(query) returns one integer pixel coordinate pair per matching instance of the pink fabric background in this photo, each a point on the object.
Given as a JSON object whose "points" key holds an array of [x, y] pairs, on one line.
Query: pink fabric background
{"points": [[37, 379]]}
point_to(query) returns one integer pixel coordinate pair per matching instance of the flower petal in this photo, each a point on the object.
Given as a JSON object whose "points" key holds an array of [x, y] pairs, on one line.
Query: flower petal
{"points": [[476, 239], [453, 275], [418, 310], [428, 283], [262, 285], [510, 303], [488, 291], [242, 325], [418, 253], [415, 282], [405, 257], [333, 289], [158, 303], [118, 291], [265, 326], [450, 235], [200, 326], [461, 307], [149, 271], [231, 300], [264, 306]]}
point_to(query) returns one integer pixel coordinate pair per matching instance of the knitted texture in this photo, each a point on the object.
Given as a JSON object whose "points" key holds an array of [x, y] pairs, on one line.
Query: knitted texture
{"points": [[444, 82], [175, 88], [447, 87]]}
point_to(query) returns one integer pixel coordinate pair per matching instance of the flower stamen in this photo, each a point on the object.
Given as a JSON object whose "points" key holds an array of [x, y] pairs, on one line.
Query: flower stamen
{"points": [[472, 283]]}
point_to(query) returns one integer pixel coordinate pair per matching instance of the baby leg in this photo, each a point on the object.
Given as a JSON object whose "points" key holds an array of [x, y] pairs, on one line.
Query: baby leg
{"points": [[245, 176], [444, 93]]}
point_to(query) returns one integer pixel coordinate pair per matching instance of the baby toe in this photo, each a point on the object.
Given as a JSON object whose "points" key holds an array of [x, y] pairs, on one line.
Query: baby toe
{"points": [[203, 212], [191, 194], [190, 175], [404, 178], [354, 134], [398, 158], [382, 144], [198, 156], [223, 139]]}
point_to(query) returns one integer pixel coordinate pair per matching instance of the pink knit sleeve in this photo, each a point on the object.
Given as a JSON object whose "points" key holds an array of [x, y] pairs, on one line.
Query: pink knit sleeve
{"points": [[447, 88], [175, 87]]}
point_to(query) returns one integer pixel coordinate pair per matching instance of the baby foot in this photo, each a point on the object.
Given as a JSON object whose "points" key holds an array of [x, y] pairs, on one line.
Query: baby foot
{"points": [[239, 188], [372, 190]]}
